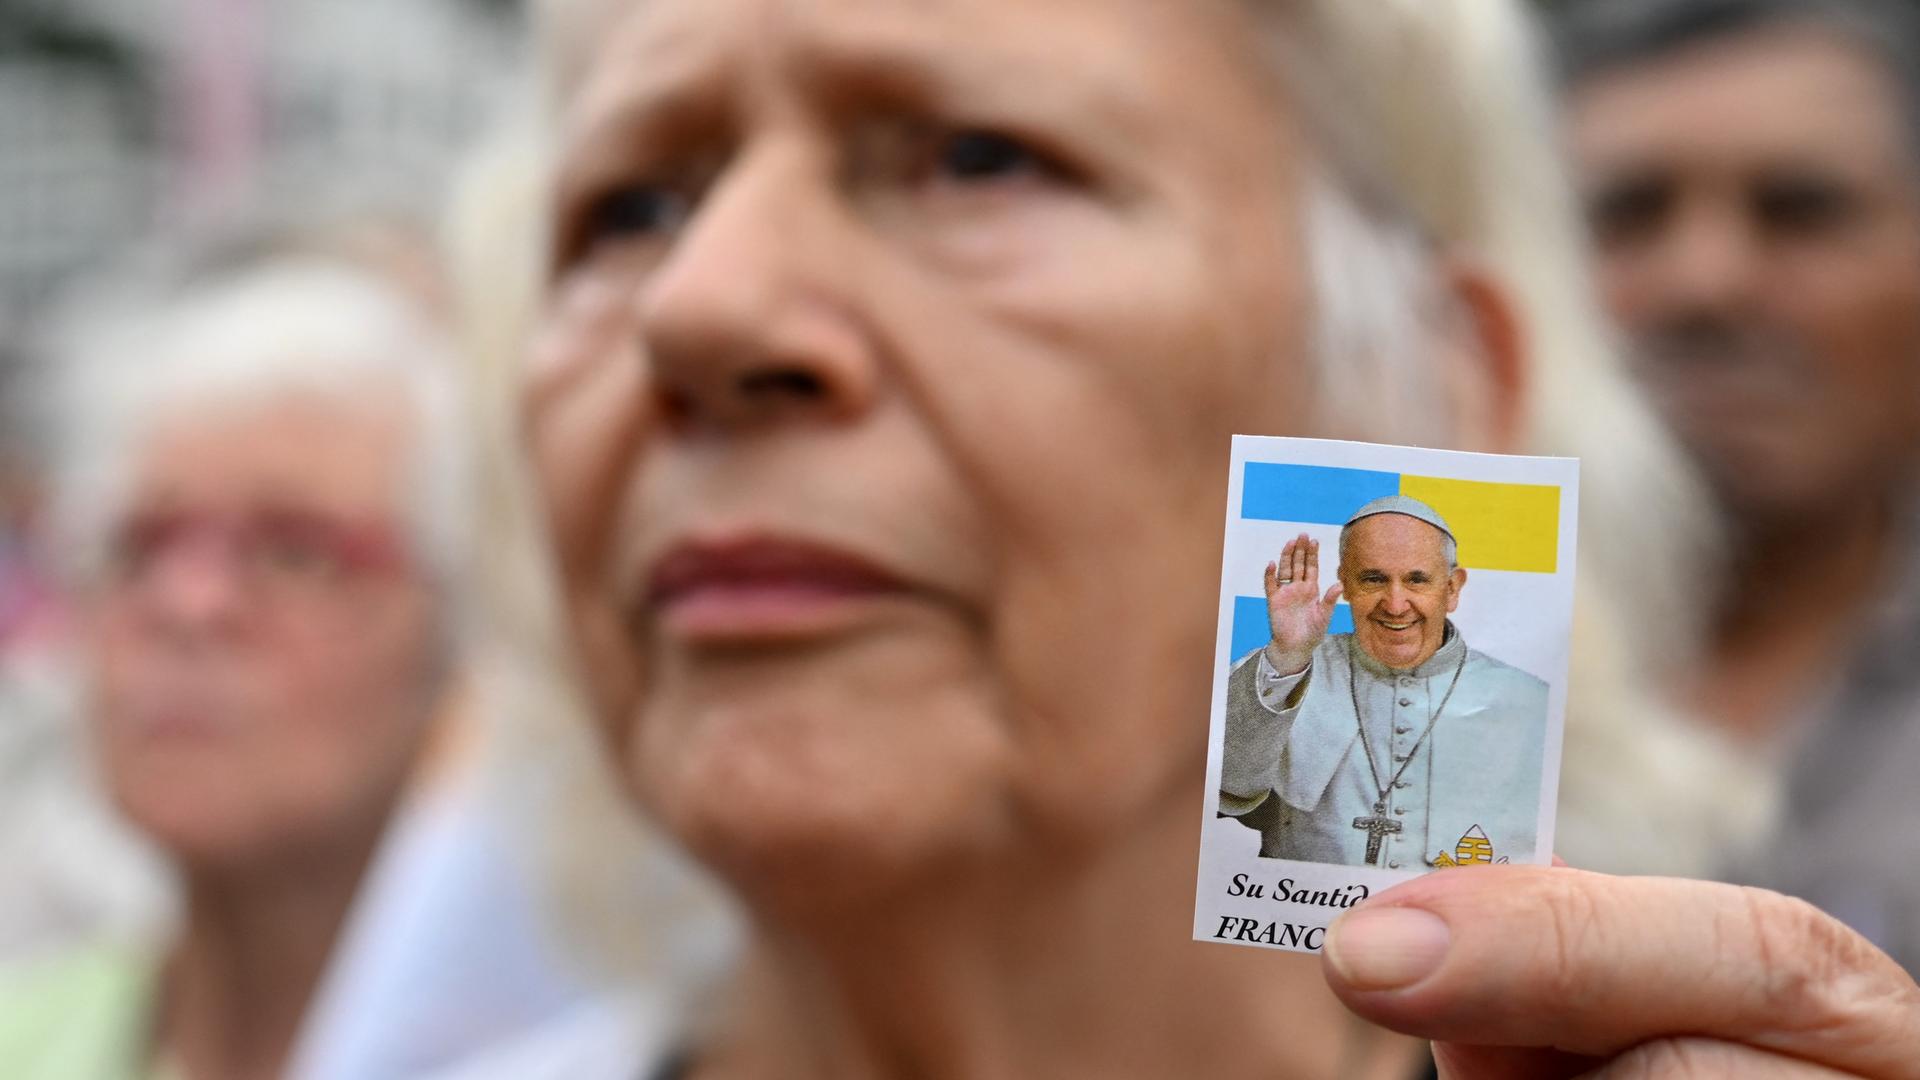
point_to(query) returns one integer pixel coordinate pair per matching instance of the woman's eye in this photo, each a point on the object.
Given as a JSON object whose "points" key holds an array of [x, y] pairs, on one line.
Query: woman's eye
{"points": [[1631, 211], [293, 556], [137, 546], [1802, 204], [637, 211], [986, 155]]}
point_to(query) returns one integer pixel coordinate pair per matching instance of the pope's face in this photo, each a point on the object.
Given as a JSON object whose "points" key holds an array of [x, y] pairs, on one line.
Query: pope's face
{"points": [[883, 410], [1395, 574]]}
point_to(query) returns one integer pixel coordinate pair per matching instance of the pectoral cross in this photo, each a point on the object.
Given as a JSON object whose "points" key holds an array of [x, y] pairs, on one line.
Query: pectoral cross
{"points": [[1378, 828]]}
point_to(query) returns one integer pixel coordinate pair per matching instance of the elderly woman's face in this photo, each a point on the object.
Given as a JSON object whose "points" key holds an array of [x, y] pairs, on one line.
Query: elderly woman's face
{"points": [[265, 652], [884, 405]]}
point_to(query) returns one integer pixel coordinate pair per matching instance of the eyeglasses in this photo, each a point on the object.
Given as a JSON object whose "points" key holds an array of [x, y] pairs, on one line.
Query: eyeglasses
{"points": [[275, 555]]}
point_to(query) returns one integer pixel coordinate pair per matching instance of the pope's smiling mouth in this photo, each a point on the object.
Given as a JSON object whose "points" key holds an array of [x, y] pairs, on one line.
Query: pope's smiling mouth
{"points": [[1396, 626]]}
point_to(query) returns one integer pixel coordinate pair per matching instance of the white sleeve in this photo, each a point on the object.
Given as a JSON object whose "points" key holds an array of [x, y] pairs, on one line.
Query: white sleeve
{"points": [[1258, 720], [1273, 688]]}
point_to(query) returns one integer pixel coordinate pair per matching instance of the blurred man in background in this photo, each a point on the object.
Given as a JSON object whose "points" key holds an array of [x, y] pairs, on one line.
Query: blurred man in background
{"points": [[1751, 170]]}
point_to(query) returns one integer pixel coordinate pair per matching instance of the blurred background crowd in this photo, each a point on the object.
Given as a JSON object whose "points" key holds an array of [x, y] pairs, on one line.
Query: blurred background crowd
{"points": [[214, 212], [232, 240]]}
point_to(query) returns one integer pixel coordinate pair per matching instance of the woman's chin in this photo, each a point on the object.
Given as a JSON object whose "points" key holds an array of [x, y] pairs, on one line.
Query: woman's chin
{"points": [[203, 836], [798, 825]]}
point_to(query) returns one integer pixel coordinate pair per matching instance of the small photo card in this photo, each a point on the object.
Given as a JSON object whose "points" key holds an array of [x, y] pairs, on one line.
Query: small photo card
{"points": [[1390, 677]]}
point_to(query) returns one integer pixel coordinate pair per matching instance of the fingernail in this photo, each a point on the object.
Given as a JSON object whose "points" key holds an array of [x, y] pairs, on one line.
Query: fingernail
{"points": [[1387, 948]]}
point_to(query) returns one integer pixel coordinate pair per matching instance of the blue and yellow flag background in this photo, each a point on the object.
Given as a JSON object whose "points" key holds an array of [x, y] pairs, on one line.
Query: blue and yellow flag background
{"points": [[1499, 526]]}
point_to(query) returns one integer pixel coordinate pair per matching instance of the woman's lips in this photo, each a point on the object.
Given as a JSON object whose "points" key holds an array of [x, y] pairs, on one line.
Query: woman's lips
{"points": [[762, 589]]}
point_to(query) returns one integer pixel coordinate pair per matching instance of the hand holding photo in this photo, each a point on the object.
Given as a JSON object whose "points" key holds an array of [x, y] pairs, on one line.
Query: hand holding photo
{"points": [[1393, 720]]}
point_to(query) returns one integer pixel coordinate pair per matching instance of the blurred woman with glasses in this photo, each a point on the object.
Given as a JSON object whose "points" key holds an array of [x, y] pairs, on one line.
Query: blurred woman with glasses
{"points": [[258, 490]]}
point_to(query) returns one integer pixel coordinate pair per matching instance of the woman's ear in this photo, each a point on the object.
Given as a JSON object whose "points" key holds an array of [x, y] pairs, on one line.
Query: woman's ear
{"points": [[1489, 361]]}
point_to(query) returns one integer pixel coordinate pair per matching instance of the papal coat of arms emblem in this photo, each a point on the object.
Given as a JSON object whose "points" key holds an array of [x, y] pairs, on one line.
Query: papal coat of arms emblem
{"points": [[1474, 849]]}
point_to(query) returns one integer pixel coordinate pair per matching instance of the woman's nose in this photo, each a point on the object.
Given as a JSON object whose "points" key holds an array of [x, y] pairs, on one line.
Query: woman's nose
{"points": [[755, 315], [194, 588]]}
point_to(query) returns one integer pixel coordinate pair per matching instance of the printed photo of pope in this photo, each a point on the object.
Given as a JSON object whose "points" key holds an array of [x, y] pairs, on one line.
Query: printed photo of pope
{"points": [[1397, 745]]}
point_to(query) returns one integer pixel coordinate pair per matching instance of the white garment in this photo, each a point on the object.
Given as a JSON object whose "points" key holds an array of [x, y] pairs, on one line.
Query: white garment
{"points": [[618, 1038], [450, 946], [1479, 767]]}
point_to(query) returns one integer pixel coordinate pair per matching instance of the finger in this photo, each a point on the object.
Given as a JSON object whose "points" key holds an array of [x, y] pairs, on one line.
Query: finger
{"points": [[1271, 581], [1456, 1062], [1564, 959], [1312, 568], [1662, 1058], [1674, 1059], [1296, 567]]}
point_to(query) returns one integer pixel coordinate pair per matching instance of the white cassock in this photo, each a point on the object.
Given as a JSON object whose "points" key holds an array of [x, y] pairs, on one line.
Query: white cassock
{"points": [[1477, 768]]}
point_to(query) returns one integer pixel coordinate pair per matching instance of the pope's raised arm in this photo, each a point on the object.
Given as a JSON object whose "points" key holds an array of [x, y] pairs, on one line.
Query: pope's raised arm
{"points": [[1265, 689]]}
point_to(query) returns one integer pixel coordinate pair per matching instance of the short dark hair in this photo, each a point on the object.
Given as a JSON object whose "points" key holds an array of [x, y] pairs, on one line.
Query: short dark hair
{"points": [[1591, 37]]}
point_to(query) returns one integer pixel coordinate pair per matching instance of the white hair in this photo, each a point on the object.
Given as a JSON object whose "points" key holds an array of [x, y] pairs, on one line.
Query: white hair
{"points": [[289, 325]]}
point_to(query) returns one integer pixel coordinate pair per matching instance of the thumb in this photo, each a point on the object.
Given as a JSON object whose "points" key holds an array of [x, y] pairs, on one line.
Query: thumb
{"points": [[1562, 960], [1333, 595]]}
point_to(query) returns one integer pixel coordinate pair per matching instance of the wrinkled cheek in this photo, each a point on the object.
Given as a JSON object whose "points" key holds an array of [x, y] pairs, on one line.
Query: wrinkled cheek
{"points": [[609, 666], [1106, 635], [598, 650], [582, 502], [1107, 667]]}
